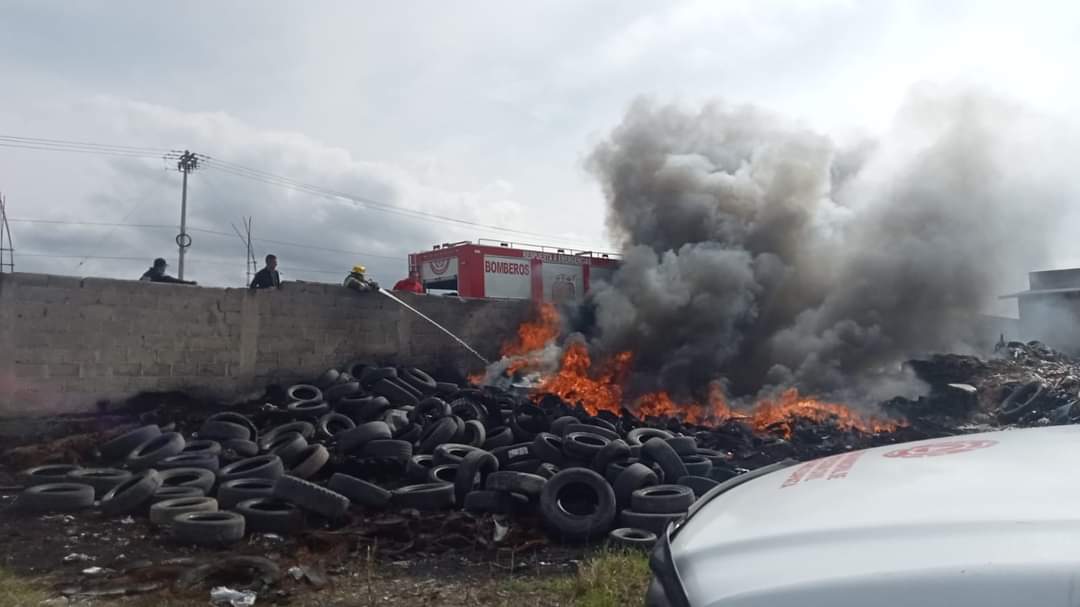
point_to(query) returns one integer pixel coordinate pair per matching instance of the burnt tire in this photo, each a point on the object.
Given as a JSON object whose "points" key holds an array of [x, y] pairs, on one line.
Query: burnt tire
{"points": [[118, 448], [697, 465], [634, 477], [499, 437], [131, 494], [700, 485], [616, 450], [208, 528], [395, 392], [548, 447], [308, 392], [494, 502], [162, 513], [473, 471], [190, 460], [101, 479], [359, 491], [656, 523], [310, 496], [662, 499], [213, 429], [530, 485], [425, 496], [639, 436], [261, 466], [332, 424], [352, 440], [1020, 401], [659, 451], [310, 461], [577, 505], [584, 445], [154, 450], [231, 493], [48, 474], [268, 515], [628, 537], [188, 477], [56, 497]]}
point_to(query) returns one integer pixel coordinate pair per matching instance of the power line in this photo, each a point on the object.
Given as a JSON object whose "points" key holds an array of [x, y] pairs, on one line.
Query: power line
{"points": [[68, 142]]}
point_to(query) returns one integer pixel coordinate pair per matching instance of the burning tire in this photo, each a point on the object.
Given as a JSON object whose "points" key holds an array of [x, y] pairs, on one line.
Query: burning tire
{"points": [[131, 494], [261, 466], [659, 451], [426, 496], [359, 491], [233, 492], [164, 512], [270, 516], [638, 539], [119, 447], [577, 505], [634, 477], [310, 496], [154, 450], [209, 528], [56, 497], [662, 499]]}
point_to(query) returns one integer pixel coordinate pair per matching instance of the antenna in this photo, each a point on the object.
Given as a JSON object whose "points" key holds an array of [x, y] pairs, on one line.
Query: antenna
{"points": [[250, 265], [7, 247]]}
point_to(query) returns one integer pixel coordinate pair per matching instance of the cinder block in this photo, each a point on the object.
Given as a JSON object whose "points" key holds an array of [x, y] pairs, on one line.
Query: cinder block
{"points": [[212, 369], [126, 369], [185, 368], [31, 370], [63, 370], [156, 369]]}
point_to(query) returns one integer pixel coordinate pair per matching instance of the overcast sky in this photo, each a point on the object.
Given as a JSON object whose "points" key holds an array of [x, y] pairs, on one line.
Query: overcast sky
{"points": [[481, 111]]}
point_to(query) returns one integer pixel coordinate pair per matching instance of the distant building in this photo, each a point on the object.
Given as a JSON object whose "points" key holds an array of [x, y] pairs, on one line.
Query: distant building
{"points": [[1050, 308]]}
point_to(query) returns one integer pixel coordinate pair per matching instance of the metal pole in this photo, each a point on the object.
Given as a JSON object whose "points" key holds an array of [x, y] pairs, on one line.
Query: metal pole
{"points": [[183, 225]]}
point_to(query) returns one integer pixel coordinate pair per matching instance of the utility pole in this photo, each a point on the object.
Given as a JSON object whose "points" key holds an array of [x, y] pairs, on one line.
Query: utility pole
{"points": [[187, 163], [7, 247]]}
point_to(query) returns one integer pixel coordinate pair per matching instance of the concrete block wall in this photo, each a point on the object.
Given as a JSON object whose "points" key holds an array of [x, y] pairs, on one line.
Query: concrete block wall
{"points": [[67, 343]]}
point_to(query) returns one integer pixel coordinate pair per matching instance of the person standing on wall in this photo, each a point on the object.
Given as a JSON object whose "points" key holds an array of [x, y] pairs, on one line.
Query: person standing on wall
{"points": [[267, 278], [157, 274]]}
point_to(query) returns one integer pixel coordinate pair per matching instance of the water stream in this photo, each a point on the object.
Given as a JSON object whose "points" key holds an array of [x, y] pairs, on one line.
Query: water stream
{"points": [[440, 327]]}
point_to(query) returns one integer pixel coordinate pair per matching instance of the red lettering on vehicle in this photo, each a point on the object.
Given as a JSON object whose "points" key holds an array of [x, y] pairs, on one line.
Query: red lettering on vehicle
{"points": [[938, 449], [504, 267], [829, 468]]}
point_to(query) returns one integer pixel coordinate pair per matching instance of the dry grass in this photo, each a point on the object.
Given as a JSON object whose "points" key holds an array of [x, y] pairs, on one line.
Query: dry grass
{"points": [[609, 578], [18, 592]]}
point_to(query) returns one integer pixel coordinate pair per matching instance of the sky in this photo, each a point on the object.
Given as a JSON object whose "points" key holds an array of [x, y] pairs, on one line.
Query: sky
{"points": [[480, 112]]}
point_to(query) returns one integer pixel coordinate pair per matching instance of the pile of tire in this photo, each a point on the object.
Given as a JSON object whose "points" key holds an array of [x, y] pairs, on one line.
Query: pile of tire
{"points": [[381, 437]]}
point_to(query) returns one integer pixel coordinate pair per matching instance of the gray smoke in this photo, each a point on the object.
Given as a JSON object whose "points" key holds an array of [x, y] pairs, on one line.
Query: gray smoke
{"points": [[763, 254]]}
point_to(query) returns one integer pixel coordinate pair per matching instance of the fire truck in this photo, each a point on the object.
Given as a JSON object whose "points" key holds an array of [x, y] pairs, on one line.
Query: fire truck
{"points": [[506, 270]]}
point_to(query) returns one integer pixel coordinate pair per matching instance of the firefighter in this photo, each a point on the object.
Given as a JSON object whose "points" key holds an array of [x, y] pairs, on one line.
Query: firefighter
{"points": [[156, 273], [411, 284], [357, 280]]}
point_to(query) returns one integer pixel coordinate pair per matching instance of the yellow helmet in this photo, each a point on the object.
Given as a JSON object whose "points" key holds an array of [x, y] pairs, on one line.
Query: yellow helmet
{"points": [[359, 269]]}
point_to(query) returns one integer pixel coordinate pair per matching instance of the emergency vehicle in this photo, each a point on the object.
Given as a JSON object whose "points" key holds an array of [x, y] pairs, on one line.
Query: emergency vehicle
{"points": [[504, 270]]}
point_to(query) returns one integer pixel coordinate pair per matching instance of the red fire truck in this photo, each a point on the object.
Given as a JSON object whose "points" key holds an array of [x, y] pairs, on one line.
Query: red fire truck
{"points": [[506, 270]]}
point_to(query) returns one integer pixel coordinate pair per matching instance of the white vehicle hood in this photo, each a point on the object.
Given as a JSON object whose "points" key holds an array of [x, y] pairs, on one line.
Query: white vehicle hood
{"points": [[985, 519]]}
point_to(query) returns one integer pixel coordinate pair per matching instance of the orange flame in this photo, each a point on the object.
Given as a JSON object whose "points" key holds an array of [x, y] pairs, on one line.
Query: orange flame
{"points": [[532, 337], [781, 414], [576, 381]]}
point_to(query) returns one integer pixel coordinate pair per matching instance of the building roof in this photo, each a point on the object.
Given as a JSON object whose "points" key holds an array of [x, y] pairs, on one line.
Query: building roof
{"points": [[1036, 292]]}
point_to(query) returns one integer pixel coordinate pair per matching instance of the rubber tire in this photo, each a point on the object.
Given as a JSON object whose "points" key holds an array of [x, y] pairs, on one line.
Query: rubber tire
{"points": [[1020, 401], [475, 434], [394, 392], [498, 437], [363, 409], [237, 418], [222, 430], [354, 439], [442, 431], [494, 502], [530, 485], [577, 527], [268, 515], [288, 447], [659, 451], [591, 429], [584, 445], [359, 491], [310, 461], [101, 479], [697, 465], [558, 427], [548, 447], [307, 392], [327, 379], [418, 467], [231, 493], [656, 523], [683, 445], [154, 450], [197, 477], [614, 451], [445, 473], [634, 477], [398, 451], [418, 379], [722, 473], [452, 453], [307, 409], [662, 499], [56, 497], [332, 424], [209, 528], [430, 409], [201, 447], [530, 411], [48, 475], [242, 448], [310, 496], [118, 448], [306, 429], [512, 453], [639, 436], [340, 391], [630, 538], [472, 472], [261, 466], [162, 513], [446, 389], [190, 460], [425, 496], [373, 375], [172, 493], [700, 485], [131, 494]]}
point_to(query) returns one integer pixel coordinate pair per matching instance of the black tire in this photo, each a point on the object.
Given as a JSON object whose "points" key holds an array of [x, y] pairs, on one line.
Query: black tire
{"points": [[716, 457], [426, 496], [446, 389], [546, 470], [435, 434], [340, 391], [429, 410], [56, 497], [452, 453], [261, 466], [529, 466], [558, 427], [231, 493], [352, 440], [577, 505], [172, 493], [475, 434], [208, 528], [591, 429], [495, 502], [364, 408], [154, 450], [662, 499], [683, 445], [722, 473], [372, 376], [305, 429], [1020, 401], [310, 461], [472, 472], [389, 449], [267, 515], [548, 447], [201, 447], [307, 409], [359, 491], [445, 473], [526, 421], [394, 392], [131, 494], [419, 380], [310, 496], [188, 477], [48, 475], [614, 451], [636, 539], [468, 410], [101, 479], [584, 445], [700, 485], [499, 437], [530, 485], [410, 434], [697, 465], [190, 460], [306, 392], [327, 379], [237, 418], [221, 430], [162, 513], [118, 448], [242, 448], [332, 424], [639, 436], [356, 369], [510, 454], [288, 447], [659, 451], [656, 523], [634, 477], [614, 469], [418, 467]]}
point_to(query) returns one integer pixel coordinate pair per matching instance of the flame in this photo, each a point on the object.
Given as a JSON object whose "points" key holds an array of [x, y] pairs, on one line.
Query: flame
{"points": [[532, 337], [596, 390], [783, 412]]}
